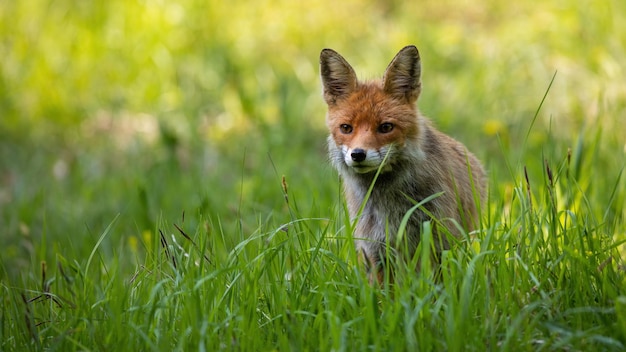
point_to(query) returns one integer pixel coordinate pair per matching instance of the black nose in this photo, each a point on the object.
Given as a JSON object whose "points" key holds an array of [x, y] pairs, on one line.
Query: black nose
{"points": [[358, 155]]}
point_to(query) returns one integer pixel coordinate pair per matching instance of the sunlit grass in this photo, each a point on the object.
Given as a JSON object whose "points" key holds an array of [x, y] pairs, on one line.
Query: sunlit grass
{"points": [[164, 183], [528, 281]]}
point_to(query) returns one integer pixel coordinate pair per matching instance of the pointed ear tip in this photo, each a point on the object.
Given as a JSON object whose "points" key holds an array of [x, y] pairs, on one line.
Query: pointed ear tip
{"points": [[327, 52], [411, 48]]}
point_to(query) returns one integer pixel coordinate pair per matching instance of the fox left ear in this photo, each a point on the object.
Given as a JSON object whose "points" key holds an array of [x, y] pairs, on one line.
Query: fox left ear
{"points": [[402, 78], [338, 77]]}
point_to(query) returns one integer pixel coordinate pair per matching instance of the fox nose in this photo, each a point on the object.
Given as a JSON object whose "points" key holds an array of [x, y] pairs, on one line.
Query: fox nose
{"points": [[358, 155]]}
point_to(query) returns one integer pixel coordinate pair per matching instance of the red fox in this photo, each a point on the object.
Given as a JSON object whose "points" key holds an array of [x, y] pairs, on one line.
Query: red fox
{"points": [[376, 129]]}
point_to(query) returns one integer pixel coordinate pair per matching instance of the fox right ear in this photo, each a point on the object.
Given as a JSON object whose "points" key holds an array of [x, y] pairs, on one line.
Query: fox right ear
{"points": [[402, 78], [338, 77]]}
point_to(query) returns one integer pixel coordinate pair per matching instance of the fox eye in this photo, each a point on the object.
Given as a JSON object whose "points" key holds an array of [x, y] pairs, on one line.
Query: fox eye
{"points": [[345, 128], [385, 127]]}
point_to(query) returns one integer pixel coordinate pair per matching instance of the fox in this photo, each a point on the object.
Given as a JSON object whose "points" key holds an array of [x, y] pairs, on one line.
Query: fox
{"points": [[378, 138]]}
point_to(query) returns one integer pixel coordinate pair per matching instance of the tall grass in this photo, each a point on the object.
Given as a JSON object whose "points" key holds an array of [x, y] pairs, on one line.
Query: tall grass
{"points": [[164, 184], [540, 275], [543, 272]]}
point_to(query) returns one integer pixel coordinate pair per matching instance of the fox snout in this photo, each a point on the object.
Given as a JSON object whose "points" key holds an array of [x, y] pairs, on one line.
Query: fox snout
{"points": [[358, 155], [363, 160]]}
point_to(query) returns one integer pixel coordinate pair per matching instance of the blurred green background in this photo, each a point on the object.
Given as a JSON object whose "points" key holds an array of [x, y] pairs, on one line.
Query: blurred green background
{"points": [[154, 109]]}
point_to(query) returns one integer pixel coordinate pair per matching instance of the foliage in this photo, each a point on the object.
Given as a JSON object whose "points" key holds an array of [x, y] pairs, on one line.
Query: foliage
{"points": [[143, 204]]}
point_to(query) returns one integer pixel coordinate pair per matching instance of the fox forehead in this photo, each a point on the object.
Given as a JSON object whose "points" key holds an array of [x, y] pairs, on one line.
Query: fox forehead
{"points": [[369, 106]]}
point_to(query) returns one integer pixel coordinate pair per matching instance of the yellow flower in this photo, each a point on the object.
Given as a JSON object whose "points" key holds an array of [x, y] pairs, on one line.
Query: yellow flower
{"points": [[146, 236], [132, 243], [493, 127]]}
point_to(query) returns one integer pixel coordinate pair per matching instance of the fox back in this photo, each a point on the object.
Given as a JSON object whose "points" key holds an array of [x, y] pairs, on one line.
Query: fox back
{"points": [[377, 135]]}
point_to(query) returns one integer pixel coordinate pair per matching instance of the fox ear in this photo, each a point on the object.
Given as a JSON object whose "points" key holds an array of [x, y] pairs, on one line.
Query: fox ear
{"points": [[338, 77], [402, 78]]}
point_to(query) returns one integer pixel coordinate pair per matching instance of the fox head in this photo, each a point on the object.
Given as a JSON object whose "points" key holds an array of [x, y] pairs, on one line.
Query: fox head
{"points": [[375, 121]]}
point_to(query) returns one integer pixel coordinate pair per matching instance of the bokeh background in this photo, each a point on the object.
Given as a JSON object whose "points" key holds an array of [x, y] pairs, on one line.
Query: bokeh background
{"points": [[181, 111]]}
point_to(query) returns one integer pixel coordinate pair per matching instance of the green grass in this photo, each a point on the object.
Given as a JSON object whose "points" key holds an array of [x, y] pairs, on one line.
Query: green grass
{"points": [[164, 183]]}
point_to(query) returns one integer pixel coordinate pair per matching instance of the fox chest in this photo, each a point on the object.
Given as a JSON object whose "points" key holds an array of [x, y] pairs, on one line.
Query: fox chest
{"points": [[383, 213]]}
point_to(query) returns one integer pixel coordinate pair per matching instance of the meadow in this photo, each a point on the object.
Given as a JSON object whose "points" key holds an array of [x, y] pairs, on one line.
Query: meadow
{"points": [[164, 183]]}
